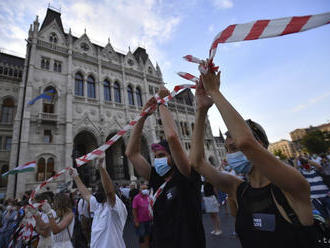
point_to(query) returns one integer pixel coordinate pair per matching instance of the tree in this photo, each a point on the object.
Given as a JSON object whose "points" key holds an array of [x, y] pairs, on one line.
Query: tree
{"points": [[316, 142], [280, 154]]}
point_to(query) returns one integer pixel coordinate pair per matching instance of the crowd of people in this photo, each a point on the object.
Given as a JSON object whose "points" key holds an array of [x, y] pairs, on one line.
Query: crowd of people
{"points": [[274, 202]]}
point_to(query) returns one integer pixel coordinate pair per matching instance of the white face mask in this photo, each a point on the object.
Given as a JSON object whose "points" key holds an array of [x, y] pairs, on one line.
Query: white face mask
{"points": [[145, 192]]}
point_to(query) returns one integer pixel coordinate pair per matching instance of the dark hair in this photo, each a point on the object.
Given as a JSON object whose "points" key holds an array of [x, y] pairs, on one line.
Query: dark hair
{"points": [[258, 132], [100, 194]]}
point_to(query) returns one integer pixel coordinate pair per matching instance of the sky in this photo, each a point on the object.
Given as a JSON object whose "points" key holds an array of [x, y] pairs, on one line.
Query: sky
{"points": [[283, 83]]}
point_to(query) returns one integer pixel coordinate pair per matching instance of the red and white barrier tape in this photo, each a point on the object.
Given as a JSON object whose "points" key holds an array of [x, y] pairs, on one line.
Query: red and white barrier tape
{"points": [[43, 184], [98, 151], [259, 29]]}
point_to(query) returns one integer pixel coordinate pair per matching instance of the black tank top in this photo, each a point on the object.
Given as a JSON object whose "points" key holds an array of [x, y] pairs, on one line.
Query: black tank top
{"points": [[260, 224]]}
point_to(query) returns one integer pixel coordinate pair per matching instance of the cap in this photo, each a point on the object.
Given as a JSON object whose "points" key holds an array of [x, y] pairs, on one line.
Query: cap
{"points": [[258, 132], [163, 145]]}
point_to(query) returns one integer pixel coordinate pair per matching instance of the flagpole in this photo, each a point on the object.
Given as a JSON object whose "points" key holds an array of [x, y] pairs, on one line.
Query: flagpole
{"points": [[22, 112]]}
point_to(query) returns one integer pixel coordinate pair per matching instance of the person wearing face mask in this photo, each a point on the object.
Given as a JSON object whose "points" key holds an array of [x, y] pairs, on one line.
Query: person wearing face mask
{"points": [[175, 186], [320, 192], [273, 208], [142, 216], [9, 219], [110, 213]]}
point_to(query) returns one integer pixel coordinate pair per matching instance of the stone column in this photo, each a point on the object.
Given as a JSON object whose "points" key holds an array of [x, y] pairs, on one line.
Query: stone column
{"points": [[68, 110]]}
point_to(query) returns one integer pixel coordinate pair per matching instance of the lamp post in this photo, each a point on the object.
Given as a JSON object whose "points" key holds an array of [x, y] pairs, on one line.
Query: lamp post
{"points": [[22, 111]]}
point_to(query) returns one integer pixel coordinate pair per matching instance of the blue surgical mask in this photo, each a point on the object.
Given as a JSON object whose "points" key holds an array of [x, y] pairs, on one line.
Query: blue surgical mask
{"points": [[238, 162], [161, 166]]}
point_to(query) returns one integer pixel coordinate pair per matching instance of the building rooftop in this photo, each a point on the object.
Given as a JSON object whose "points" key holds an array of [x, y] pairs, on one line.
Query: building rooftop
{"points": [[11, 59], [50, 16]]}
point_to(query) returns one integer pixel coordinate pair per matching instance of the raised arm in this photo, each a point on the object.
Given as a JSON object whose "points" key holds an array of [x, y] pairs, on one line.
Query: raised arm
{"points": [[180, 157], [285, 177], [57, 227], [223, 181], [107, 182], [85, 193], [133, 150]]}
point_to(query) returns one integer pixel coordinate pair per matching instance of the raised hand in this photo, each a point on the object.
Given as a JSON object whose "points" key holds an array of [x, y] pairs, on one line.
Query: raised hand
{"points": [[202, 99], [73, 172], [100, 161], [211, 81], [163, 92], [150, 103]]}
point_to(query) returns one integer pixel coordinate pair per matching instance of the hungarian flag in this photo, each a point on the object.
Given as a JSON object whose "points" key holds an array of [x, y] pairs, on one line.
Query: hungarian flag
{"points": [[29, 166]]}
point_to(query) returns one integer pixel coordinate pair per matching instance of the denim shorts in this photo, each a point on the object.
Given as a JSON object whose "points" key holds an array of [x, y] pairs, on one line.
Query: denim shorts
{"points": [[144, 229]]}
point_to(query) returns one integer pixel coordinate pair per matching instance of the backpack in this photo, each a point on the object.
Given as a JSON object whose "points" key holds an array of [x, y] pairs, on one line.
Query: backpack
{"points": [[78, 239], [320, 231]]}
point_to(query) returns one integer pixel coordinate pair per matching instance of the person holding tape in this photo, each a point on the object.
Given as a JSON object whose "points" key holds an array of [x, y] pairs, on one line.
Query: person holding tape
{"points": [[273, 208], [176, 199], [109, 211]]}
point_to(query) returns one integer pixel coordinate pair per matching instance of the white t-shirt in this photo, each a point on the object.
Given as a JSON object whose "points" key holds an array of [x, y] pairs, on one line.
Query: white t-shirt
{"points": [[108, 224], [83, 208], [46, 242]]}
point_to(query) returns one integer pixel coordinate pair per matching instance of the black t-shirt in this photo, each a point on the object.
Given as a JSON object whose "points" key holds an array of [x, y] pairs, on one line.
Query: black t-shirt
{"points": [[208, 189], [259, 223], [133, 193], [177, 219]]}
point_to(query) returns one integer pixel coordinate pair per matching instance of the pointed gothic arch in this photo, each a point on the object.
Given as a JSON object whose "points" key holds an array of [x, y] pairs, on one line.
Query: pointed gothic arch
{"points": [[116, 160], [83, 143]]}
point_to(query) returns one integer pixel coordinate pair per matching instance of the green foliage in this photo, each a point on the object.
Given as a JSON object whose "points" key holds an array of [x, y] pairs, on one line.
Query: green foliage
{"points": [[316, 142], [280, 154]]}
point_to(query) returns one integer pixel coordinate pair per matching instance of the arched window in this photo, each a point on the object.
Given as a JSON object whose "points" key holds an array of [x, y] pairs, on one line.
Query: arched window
{"points": [[107, 90], [50, 168], [91, 87], [79, 84], [53, 38], [130, 95], [116, 89], [45, 171], [49, 104], [4, 180], [7, 110], [139, 97], [41, 168]]}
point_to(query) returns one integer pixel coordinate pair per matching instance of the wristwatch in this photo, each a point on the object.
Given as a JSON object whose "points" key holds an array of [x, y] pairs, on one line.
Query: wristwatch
{"points": [[50, 215]]}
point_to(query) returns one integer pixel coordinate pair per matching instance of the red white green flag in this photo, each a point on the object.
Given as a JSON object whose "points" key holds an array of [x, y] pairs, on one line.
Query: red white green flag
{"points": [[29, 166]]}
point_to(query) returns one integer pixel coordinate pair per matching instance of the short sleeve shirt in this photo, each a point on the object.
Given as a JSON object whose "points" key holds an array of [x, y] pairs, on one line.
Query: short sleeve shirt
{"points": [[108, 223], [177, 220], [141, 204]]}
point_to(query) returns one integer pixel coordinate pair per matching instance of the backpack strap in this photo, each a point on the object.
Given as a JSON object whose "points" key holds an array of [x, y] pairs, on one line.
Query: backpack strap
{"points": [[281, 199]]}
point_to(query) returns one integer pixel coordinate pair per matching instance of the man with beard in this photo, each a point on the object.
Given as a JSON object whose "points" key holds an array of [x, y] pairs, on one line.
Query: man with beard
{"points": [[176, 200]]}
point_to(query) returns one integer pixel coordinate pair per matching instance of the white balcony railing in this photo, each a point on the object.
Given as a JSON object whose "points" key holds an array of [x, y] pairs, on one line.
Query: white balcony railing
{"points": [[48, 117]]}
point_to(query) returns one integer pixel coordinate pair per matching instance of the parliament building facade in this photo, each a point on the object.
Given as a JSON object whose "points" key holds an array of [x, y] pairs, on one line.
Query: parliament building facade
{"points": [[97, 91]]}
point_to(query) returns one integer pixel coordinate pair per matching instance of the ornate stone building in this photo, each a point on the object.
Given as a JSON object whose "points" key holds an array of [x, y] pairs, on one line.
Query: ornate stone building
{"points": [[97, 92], [11, 70], [284, 146]]}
